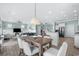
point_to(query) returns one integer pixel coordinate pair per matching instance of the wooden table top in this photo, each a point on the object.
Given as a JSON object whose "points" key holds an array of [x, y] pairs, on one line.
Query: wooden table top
{"points": [[38, 40], [42, 41]]}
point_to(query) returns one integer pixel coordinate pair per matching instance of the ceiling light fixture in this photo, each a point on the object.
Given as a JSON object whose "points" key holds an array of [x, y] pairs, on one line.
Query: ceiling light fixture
{"points": [[35, 20], [75, 11], [49, 12]]}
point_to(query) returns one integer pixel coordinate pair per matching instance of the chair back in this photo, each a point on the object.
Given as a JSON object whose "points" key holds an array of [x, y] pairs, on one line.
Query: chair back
{"points": [[19, 40], [55, 38], [63, 49], [2, 39], [26, 48]]}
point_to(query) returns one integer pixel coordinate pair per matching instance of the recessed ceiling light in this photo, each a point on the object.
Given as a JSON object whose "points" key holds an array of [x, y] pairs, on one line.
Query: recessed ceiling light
{"points": [[50, 12], [75, 11], [64, 15], [56, 17]]}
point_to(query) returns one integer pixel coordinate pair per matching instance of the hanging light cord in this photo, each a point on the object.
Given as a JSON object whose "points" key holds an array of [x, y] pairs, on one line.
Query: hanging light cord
{"points": [[35, 9]]}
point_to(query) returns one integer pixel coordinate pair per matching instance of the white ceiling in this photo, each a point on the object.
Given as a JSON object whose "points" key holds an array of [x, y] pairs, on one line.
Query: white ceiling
{"points": [[46, 12]]}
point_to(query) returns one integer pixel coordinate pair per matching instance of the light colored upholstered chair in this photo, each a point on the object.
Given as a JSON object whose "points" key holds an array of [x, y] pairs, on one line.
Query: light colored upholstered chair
{"points": [[47, 45], [1, 41], [29, 49], [54, 52], [19, 41], [76, 40], [55, 38], [2, 38]]}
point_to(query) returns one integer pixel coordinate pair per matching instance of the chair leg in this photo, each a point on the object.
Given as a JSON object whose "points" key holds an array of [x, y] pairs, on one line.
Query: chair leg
{"points": [[21, 52], [0, 48]]}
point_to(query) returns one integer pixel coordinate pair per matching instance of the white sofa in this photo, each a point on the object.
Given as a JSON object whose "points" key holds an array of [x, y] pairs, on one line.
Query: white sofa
{"points": [[76, 40], [55, 38]]}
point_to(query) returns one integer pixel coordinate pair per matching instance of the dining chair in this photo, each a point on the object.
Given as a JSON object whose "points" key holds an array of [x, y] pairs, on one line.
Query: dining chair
{"points": [[47, 45], [19, 41], [55, 52], [55, 38], [29, 49], [1, 41], [2, 38], [76, 40]]}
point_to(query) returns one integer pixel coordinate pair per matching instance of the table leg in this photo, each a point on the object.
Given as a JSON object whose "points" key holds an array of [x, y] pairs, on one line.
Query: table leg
{"points": [[40, 50], [50, 44]]}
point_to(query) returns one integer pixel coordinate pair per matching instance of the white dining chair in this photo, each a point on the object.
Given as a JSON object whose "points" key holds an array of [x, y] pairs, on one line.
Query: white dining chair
{"points": [[55, 38], [76, 40], [55, 52], [1, 41], [19, 41], [29, 49]]}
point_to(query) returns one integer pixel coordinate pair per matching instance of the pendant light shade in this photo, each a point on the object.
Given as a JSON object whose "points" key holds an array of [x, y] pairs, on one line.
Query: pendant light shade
{"points": [[35, 21]]}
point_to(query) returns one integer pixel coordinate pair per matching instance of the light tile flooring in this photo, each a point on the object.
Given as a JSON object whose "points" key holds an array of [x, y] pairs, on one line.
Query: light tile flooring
{"points": [[10, 48]]}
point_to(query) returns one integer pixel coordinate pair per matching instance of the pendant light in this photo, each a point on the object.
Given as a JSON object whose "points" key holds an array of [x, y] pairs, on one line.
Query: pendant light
{"points": [[35, 20]]}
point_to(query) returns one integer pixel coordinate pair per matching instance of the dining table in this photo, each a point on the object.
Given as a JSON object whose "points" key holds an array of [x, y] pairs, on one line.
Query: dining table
{"points": [[38, 42]]}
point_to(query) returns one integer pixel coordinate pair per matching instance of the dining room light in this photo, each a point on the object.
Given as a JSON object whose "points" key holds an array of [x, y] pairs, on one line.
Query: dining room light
{"points": [[35, 20]]}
